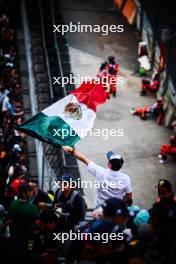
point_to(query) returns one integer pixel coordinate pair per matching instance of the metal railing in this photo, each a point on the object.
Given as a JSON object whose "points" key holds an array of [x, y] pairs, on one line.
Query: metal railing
{"points": [[49, 177], [57, 48], [61, 75], [49, 77], [45, 172]]}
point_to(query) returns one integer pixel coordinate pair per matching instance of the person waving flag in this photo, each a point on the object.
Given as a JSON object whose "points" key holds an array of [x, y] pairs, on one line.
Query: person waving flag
{"points": [[69, 119]]}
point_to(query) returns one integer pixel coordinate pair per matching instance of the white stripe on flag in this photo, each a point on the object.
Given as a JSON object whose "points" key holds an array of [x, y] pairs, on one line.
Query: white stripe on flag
{"points": [[80, 126]]}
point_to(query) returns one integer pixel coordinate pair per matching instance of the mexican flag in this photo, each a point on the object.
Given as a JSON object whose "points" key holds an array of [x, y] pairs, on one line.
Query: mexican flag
{"points": [[69, 119]]}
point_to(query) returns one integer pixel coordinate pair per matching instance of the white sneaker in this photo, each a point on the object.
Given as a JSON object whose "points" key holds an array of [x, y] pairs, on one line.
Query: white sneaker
{"points": [[132, 111], [163, 161], [160, 156]]}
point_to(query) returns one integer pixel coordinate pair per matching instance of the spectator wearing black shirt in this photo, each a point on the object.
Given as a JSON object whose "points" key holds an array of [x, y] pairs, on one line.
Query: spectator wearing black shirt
{"points": [[38, 196], [69, 203], [165, 191], [41, 246]]}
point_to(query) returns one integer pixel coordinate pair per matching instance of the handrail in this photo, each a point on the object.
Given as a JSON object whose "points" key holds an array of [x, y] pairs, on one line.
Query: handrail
{"points": [[61, 74], [41, 160], [28, 48], [50, 175], [46, 54], [56, 47]]}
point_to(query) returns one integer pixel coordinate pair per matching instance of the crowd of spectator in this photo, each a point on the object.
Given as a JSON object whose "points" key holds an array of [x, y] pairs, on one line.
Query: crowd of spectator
{"points": [[145, 231], [13, 157]]}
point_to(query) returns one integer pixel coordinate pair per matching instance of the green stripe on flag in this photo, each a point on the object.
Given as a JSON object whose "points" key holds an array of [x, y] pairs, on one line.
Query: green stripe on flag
{"points": [[51, 129]]}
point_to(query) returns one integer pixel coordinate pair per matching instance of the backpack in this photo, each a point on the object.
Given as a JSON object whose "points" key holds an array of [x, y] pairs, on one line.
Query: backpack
{"points": [[71, 200]]}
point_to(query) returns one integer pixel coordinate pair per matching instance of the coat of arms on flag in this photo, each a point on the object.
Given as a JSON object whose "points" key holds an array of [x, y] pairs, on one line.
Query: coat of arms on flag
{"points": [[73, 111]]}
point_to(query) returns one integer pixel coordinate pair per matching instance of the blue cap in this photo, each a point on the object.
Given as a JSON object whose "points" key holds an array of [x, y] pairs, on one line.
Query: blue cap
{"points": [[67, 177], [114, 207], [109, 154]]}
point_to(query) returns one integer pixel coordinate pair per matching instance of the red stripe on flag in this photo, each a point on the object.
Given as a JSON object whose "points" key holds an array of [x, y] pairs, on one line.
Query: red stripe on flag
{"points": [[90, 94]]}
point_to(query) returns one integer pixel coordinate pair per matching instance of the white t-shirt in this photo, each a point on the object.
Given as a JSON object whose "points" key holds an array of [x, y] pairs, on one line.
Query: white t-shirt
{"points": [[111, 183]]}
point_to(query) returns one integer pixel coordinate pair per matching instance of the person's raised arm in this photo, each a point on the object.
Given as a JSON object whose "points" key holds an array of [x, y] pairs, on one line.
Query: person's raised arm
{"points": [[76, 154]]}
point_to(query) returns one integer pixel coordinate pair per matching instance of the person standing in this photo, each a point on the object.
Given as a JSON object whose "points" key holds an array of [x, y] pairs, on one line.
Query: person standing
{"points": [[119, 184], [23, 214], [69, 204], [37, 196]]}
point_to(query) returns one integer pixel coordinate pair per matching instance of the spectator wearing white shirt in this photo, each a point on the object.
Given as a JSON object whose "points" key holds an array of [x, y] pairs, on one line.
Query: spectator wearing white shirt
{"points": [[118, 184], [3, 93]]}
